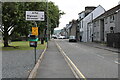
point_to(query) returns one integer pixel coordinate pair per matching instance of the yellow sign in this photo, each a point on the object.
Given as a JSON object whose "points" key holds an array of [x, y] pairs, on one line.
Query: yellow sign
{"points": [[35, 31]]}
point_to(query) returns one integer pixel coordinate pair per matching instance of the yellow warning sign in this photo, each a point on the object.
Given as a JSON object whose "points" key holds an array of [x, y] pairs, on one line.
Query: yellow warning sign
{"points": [[35, 31]]}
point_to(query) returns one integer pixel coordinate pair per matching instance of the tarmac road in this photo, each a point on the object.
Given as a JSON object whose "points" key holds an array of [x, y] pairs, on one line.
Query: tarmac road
{"points": [[18, 63], [92, 62]]}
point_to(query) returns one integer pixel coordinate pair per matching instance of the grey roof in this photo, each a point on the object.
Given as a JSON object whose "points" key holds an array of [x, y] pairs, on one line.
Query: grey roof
{"points": [[109, 12]]}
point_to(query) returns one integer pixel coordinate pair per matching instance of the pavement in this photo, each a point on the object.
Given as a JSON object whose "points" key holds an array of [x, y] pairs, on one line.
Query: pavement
{"points": [[100, 46], [53, 64]]}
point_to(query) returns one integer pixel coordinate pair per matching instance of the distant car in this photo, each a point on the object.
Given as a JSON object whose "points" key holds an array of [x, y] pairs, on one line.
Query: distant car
{"points": [[54, 36], [61, 37], [72, 39]]}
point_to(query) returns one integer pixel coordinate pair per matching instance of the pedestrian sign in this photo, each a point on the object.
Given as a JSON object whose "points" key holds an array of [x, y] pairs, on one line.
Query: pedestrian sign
{"points": [[35, 31]]}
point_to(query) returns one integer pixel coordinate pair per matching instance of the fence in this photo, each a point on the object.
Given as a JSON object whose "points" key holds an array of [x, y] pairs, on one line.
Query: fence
{"points": [[113, 40]]}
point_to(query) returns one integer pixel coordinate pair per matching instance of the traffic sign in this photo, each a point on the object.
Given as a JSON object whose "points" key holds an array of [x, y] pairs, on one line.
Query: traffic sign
{"points": [[35, 15], [35, 31]]}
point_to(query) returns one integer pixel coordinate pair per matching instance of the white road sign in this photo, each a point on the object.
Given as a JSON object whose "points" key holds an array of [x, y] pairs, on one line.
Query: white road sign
{"points": [[35, 15]]}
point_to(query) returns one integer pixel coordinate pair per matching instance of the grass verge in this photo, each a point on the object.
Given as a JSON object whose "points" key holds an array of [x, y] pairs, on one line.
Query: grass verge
{"points": [[22, 45]]}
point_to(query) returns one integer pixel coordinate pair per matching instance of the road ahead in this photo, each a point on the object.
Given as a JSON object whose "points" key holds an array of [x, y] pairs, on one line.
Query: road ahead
{"points": [[92, 62]]}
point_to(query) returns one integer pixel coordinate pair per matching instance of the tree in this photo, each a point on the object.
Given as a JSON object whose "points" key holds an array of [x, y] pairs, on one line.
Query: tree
{"points": [[13, 18], [9, 20], [54, 15]]}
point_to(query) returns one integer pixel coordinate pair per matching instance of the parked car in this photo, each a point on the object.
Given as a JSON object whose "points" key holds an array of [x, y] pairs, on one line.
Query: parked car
{"points": [[54, 36], [61, 37], [72, 39]]}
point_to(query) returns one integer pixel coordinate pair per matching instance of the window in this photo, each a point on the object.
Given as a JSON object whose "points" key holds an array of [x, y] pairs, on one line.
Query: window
{"points": [[112, 18], [111, 29], [106, 20], [95, 24], [97, 34]]}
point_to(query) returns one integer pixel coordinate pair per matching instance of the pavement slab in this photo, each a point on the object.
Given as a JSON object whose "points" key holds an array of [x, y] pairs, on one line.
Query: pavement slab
{"points": [[53, 64]]}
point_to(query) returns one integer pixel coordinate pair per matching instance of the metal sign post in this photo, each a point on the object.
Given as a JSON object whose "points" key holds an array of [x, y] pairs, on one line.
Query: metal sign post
{"points": [[35, 54], [47, 23], [33, 43], [34, 16]]}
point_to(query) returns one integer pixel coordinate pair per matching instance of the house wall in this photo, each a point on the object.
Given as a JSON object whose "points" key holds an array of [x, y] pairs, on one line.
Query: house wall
{"points": [[96, 32], [81, 27], [81, 17], [94, 14], [73, 29], [109, 22], [102, 26], [101, 30], [117, 22], [68, 29]]}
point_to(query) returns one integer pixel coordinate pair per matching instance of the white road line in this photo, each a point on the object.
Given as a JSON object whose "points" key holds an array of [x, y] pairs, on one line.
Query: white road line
{"points": [[115, 53], [77, 46], [74, 45], [100, 56], [116, 62]]}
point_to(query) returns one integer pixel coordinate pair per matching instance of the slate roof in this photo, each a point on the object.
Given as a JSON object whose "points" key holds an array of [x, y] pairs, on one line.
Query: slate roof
{"points": [[109, 12]]}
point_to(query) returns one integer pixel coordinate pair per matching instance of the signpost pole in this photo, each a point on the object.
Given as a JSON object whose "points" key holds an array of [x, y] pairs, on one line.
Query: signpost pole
{"points": [[47, 24], [35, 54], [35, 47], [34, 16], [35, 24]]}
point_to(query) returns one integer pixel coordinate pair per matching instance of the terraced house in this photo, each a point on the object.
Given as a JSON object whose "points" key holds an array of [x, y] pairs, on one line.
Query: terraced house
{"points": [[107, 23], [86, 24]]}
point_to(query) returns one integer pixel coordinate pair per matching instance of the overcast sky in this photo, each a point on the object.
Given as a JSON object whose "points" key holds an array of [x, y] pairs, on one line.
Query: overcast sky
{"points": [[73, 7]]}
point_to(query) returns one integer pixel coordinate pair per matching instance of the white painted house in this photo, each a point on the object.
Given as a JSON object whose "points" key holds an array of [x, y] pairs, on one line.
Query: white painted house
{"points": [[86, 26]]}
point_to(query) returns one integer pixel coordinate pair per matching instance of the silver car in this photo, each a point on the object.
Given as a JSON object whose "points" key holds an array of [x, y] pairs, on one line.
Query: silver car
{"points": [[72, 39]]}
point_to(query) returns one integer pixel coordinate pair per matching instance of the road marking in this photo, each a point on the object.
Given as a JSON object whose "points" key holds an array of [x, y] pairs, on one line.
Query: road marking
{"points": [[116, 62], [76, 68], [115, 53], [77, 46], [100, 56], [76, 71], [74, 45], [72, 69]]}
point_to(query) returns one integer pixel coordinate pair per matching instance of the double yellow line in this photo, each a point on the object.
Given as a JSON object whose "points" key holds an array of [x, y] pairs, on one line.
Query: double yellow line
{"points": [[72, 66]]}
